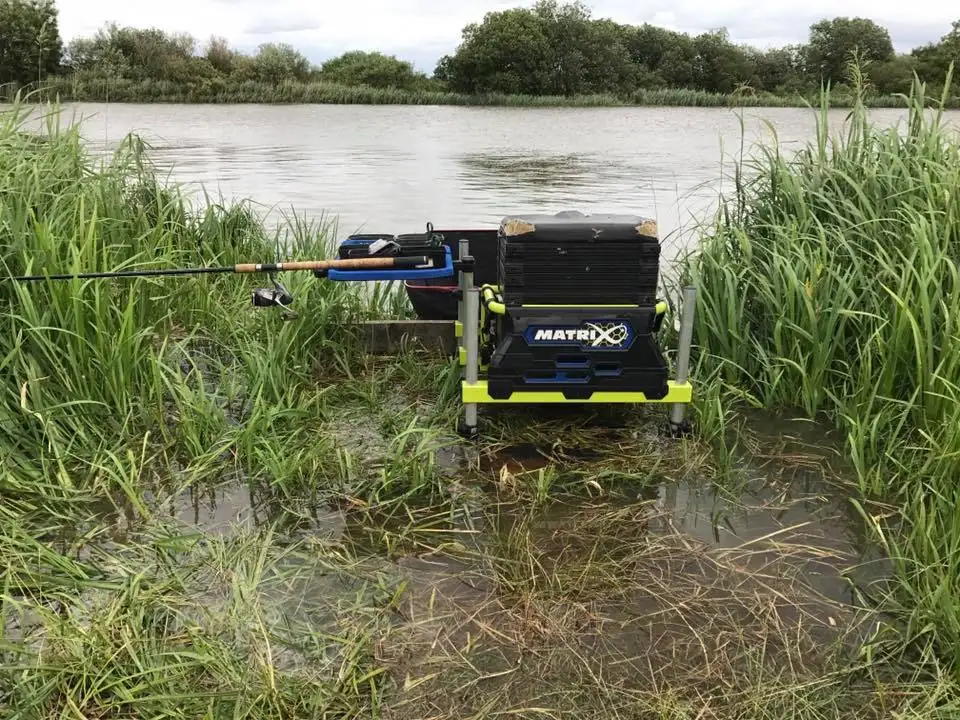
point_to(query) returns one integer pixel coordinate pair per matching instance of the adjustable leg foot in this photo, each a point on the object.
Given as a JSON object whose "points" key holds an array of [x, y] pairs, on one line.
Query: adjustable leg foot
{"points": [[680, 429], [468, 431]]}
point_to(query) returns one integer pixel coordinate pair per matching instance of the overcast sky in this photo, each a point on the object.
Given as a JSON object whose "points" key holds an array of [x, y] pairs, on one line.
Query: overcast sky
{"points": [[423, 30]]}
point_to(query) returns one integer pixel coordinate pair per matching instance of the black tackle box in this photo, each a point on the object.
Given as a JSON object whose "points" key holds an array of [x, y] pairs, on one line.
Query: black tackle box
{"points": [[576, 259]]}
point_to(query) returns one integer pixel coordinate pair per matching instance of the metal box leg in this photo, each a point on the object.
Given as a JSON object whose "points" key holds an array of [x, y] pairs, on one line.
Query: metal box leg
{"points": [[678, 422], [469, 312], [463, 252], [471, 341]]}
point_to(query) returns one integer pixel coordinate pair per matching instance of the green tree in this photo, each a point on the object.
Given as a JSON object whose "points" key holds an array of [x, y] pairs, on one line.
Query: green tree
{"points": [[276, 62], [586, 55], [719, 65], [508, 52], [87, 55], [608, 67], [567, 28], [893, 76], [550, 49], [661, 57], [221, 56], [933, 60], [443, 72], [31, 48], [777, 69], [833, 43], [372, 68], [138, 54]]}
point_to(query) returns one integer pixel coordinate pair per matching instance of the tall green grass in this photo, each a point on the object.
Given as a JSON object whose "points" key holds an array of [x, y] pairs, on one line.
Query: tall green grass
{"points": [[116, 394], [830, 285], [91, 89], [94, 366]]}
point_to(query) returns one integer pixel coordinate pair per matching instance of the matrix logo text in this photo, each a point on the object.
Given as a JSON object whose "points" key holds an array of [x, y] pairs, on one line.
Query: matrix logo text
{"points": [[594, 335], [566, 334]]}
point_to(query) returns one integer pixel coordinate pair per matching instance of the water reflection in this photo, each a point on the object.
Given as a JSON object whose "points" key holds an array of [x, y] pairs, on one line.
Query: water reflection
{"points": [[533, 172]]}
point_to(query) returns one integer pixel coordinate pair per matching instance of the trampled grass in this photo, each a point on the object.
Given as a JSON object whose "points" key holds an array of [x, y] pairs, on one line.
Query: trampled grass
{"points": [[829, 285]]}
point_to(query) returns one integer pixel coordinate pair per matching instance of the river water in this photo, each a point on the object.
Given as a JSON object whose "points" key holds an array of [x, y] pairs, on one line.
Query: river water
{"points": [[394, 168]]}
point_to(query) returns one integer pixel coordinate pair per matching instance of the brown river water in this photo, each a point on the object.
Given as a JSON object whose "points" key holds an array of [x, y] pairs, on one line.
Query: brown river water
{"points": [[395, 168]]}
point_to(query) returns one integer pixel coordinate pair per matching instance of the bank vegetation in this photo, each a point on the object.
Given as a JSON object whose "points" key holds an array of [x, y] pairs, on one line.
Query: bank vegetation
{"points": [[549, 54]]}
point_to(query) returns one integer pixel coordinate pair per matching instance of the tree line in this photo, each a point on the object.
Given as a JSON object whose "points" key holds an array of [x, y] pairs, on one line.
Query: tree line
{"points": [[549, 49], [32, 50], [559, 49]]}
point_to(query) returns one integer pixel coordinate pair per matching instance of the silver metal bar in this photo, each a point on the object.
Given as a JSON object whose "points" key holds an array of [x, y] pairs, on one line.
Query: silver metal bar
{"points": [[683, 353], [471, 333], [463, 252]]}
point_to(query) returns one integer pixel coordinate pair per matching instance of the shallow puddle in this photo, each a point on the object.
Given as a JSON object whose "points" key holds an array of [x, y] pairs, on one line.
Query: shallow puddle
{"points": [[790, 509], [635, 587], [544, 578]]}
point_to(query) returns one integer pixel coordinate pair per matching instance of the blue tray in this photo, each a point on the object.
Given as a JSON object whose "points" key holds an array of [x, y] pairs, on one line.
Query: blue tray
{"points": [[446, 270]]}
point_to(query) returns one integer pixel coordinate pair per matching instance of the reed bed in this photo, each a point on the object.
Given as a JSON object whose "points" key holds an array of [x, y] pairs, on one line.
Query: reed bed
{"points": [[224, 91], [829, 286], [121, 395], [169, 376]]}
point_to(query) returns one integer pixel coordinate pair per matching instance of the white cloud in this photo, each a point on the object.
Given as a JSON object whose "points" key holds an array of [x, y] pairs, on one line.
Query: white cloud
{"points": [[421, 30]]}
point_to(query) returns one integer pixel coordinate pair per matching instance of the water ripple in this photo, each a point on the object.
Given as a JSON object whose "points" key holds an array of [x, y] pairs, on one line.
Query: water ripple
{"points": [[394, 168]]}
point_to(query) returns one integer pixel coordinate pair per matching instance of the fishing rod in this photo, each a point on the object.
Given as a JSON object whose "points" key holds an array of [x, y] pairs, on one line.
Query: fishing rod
{"points": [[359, 267], [314, 265], [360, 253]]}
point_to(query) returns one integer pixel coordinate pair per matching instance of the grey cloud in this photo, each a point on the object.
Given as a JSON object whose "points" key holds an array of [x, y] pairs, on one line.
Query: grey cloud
{"points": [[907, 36], [424, 30], [757, 24], [273, 26]]}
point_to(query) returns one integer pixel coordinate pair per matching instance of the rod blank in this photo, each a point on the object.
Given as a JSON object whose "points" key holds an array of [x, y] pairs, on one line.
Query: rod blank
{"points": [[345, 264]]}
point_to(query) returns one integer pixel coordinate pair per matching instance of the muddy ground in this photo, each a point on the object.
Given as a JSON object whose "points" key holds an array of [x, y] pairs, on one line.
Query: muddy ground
{"points": [[606, 577]]}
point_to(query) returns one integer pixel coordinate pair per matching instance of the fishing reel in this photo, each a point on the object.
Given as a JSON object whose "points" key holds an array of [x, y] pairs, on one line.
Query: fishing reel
{"points": [[277, 296]]}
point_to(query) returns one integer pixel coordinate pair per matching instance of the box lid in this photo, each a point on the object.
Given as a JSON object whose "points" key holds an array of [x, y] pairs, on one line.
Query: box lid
{"points": [[578, 225]]}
